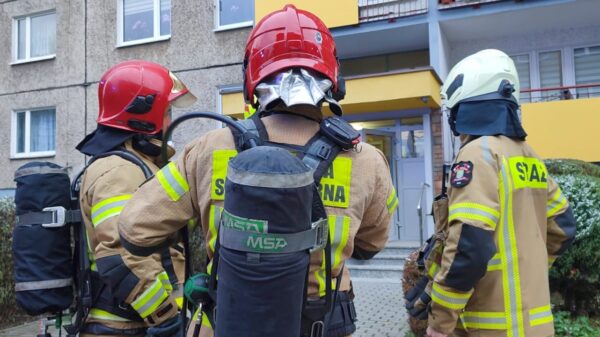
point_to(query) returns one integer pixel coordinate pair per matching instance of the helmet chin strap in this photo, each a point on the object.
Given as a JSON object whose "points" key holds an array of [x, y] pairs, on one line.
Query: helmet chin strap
{"points": [[452, 121], [146, 144]]}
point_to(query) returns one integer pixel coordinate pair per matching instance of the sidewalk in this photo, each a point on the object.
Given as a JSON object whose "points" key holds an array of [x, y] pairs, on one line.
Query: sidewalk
{"points": [[379, 307]]}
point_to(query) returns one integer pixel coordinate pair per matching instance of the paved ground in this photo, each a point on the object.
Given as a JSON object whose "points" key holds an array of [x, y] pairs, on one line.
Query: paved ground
{"points": [[380, 309], [27, 330], [378, 305]]}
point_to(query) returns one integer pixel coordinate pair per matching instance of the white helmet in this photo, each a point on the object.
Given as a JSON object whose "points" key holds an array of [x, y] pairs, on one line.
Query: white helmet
{"points": [[486, 75]]}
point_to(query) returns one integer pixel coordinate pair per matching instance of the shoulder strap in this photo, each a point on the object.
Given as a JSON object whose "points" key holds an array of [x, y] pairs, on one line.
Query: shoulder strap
{"points": [[257, 129], [319, 153], [85, 298], [127, 156]]}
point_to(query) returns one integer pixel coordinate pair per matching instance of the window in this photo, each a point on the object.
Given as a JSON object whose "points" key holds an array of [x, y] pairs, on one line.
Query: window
{"points": [[34, 37], [522, 65], [550, 74], [232, 14], [587, 70], [142, 21], [34, 133]]}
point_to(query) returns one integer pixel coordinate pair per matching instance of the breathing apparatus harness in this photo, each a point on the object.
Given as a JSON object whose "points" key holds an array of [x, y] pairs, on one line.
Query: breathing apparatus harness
{"points": [[335, 135]]}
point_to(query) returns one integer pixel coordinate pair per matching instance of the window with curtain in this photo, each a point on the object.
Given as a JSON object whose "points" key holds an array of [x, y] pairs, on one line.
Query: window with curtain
{"points": [[550, 74], [522, 65], [234, 13], [144, 20], [35, 132], [587, 70], [35, 37]]}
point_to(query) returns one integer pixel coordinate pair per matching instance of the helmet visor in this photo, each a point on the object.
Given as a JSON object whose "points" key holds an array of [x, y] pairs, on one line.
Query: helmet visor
{"points": [[180, 95]]}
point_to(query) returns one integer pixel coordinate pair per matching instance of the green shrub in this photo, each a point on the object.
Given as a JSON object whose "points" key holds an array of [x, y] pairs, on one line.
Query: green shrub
{"points": [[576, 274], [566, 326], [572, 167], [9, 311]]}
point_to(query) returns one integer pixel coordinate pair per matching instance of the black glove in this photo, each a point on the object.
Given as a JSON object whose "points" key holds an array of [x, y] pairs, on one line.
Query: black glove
{"points": [[418, 299], [170, 328]]}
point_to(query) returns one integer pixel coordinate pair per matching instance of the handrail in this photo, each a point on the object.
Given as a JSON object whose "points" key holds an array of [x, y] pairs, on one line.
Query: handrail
{"points": [[420, 211], [375, 10], [576, 86]]}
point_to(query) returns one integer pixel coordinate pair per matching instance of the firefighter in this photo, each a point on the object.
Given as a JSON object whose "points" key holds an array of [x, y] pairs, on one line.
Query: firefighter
{"points": [[290, 69], [508, 219], [134, 100]]}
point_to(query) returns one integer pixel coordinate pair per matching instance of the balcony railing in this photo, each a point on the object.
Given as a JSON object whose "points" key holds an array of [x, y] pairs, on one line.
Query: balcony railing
{"points": [[560, 93], [447, 4], [375, 10]]}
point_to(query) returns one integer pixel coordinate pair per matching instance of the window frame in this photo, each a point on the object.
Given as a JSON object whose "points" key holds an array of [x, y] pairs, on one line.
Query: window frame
{"points": [[231, 26], [531, 75], [156, 26], [15, 38], [27, 146]]}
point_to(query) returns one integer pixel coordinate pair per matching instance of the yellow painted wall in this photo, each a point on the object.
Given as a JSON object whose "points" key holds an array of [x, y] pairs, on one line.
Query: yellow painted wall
{"points": [[233, 104], [564, 129], [392, 92], [334, 13]]}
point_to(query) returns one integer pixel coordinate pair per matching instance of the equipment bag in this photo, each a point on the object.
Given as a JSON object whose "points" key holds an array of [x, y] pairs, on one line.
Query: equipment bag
{"points": [[41, 238], [265, 240], [273, 218]]}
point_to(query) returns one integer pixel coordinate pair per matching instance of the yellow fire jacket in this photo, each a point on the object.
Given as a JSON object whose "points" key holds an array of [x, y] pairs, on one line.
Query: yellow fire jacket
{"points": [[107, 185], [507, 220], [357, 191]]}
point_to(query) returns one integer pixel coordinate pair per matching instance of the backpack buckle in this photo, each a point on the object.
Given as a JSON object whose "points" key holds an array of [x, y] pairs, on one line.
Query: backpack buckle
{"points": [[58, 216], [321, 230]]}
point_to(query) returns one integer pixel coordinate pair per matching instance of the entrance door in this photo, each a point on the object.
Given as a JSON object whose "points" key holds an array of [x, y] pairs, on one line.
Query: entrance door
{"points": [[386, 142], [411, 175]]}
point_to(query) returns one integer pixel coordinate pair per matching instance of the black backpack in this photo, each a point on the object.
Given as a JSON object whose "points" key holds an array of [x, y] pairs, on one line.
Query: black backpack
{"points": [[52, 269], [262, 252]]}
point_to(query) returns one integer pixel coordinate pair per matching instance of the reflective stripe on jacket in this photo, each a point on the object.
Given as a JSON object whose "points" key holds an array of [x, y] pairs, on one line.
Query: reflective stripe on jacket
{"points": [[504, 226]]}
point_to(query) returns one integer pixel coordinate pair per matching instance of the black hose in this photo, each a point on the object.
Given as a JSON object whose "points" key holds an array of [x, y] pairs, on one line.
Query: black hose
{"points": [[165, 160], [192, 115]]}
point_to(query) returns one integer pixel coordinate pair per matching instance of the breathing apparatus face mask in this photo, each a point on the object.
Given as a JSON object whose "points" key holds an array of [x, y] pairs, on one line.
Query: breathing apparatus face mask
{"points": [[295, 87]]}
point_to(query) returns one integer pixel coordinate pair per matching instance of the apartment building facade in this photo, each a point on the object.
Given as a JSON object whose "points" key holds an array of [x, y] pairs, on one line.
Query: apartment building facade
{"points": [[394, 55]]}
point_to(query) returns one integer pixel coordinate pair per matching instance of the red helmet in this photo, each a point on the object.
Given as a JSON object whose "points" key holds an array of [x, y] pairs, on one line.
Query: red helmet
{"points": [[285, 39], [135, 96]]}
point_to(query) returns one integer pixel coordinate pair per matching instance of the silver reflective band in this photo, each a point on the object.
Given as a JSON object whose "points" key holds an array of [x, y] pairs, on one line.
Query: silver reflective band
{"points": [[254, 242], [540, 315], [484, 320], [269, 180], [472, 210], [39, 285]]}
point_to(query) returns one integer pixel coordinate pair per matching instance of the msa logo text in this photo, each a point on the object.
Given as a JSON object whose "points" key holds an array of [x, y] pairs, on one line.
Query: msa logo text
{"points": [[265, 243]]}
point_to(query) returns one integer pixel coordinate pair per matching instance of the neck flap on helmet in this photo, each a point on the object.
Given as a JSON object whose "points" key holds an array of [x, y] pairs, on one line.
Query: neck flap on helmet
{"points": [[487, 118], [103, 139], [295, 87]]}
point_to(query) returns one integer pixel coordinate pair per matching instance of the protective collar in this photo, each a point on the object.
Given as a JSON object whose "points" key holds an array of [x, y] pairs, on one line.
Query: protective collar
{"points": [[103, 139], [487, 118], [296, 87]]}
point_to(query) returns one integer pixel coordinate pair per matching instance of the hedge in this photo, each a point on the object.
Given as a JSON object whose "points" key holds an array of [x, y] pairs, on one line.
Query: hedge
{"points": [[9, 311], [575, 276]]}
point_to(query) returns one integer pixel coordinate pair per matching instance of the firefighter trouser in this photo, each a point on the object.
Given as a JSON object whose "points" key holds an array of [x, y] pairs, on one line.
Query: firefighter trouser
{"points": [[99, 330]]}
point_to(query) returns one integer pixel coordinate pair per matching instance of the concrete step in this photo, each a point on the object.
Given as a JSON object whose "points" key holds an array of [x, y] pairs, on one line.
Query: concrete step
{"points": [[387, 260], [376, 272], [398, 248], [387, 264]]}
